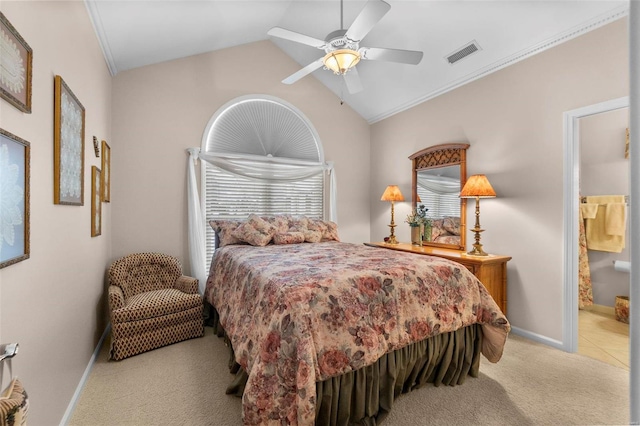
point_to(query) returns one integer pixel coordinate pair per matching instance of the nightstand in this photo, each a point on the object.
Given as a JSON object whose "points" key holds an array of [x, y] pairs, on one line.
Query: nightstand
{"points": [[491, 270]]}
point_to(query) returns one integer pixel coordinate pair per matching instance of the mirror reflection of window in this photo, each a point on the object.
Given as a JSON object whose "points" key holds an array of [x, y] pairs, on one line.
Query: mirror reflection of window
{"points": [[440, 194]]}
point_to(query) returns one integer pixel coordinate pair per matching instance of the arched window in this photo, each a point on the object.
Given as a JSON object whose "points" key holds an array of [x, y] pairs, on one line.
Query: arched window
{"points": [[264, 157]]}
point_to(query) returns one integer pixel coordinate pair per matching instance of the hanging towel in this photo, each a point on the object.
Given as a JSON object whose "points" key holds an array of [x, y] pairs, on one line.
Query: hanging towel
{"points": [[615, 218], [585, 290], [597, 236], [588, 210]]}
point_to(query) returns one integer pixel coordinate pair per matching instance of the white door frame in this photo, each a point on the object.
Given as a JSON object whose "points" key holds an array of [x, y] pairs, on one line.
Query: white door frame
{"points": [[571, 182]]}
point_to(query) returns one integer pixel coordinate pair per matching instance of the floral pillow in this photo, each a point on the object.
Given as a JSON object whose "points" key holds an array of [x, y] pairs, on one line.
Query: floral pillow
{"points": [[312, 236], [299, 224], [315, 230], [288, 238], [255, 231], [281, 222], [317, 225], [451, 225], [331, 234], [224, 230], [437, 229]]}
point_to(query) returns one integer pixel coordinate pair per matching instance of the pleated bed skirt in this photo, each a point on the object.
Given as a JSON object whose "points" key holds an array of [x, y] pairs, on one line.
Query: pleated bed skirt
{"points": [[366, 396]]}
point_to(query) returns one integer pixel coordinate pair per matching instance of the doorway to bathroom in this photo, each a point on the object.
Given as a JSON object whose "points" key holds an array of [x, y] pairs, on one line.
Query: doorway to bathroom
{"points": [[603, 277]]}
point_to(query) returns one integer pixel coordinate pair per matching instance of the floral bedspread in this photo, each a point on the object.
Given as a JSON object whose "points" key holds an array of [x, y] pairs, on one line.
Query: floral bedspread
{"points": [[302, 313]]}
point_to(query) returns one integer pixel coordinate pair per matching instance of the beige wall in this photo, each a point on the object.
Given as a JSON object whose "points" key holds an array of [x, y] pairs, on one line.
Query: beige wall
{"points": [[513, 121], [160, 110], [52, 304]]}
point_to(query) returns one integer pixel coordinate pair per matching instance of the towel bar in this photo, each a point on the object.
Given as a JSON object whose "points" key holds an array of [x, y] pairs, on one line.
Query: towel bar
{"points": [[8, 351], [583, 199]]}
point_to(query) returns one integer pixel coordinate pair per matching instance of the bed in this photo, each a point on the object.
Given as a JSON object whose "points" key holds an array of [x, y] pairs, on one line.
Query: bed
{"points": [[332, 332]]}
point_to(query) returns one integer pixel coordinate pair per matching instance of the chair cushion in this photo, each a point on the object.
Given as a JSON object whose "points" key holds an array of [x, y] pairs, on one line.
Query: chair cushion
{"points": [[141, 272], [156, 303]]}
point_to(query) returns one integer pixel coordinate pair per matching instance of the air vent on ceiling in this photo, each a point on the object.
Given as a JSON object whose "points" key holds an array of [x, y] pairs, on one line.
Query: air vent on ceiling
{"points": [[463, 52]]}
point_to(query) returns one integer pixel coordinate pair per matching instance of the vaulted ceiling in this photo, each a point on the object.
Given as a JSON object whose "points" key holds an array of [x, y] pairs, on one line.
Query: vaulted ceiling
{"points": [[139, 33]]}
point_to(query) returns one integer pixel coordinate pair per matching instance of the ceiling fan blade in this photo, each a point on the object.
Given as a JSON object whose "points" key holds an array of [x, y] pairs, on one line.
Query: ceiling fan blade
{"points": [[297, 37], [303, 72], [412, 57], [373, 12], [353, 82]]}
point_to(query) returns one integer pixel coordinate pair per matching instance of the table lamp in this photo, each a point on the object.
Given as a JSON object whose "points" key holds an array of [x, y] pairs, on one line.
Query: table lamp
{"points": [[477, 186], [392, 193]]}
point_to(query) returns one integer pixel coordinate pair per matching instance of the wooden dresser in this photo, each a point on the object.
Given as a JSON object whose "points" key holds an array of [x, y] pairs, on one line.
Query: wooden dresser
{"points": [[491, 270]]}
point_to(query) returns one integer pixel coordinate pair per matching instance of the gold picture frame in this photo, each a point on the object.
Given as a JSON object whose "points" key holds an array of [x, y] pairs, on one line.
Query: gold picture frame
{"points": [[68, 146], [15, 154], [626, 146], [96, 202], [17, 56], [106, 172]]}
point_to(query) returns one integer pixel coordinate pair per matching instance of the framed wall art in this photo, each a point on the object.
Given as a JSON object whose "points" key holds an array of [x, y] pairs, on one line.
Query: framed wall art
{"points": [[14, 209], [96, 203], [68, 149], [626, 146], [16, 63], [96, 147], [106, 172]]}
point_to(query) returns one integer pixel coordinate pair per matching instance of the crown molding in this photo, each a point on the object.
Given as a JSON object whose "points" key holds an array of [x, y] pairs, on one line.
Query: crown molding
{"points": [[597, 22], [96, 21]]}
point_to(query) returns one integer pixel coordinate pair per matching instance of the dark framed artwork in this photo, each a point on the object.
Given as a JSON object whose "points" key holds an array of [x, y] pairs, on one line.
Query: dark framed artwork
{"points": [[14, 210], [106, 172], [16, 62], [96, 203], [68, 148]]}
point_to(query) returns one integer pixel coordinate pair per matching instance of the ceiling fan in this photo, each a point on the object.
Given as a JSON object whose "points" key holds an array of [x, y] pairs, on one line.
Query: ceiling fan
{"points": [[342, 47]]}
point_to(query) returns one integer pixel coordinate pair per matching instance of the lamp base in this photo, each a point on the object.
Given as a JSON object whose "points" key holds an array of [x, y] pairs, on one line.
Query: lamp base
{"points": [[392, 240], [477, 247], [477, 251]]}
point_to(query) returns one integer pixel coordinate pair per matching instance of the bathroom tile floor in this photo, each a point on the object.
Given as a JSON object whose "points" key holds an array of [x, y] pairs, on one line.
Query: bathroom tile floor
{"points": [[602, 337]]}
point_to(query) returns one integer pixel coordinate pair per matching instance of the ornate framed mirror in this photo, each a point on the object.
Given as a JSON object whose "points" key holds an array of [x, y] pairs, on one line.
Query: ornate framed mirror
{"points": [[439, 173]]}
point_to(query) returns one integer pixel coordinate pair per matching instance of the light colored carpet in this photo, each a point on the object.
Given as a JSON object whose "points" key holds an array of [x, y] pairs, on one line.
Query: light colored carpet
{"points": [[533, 384]]}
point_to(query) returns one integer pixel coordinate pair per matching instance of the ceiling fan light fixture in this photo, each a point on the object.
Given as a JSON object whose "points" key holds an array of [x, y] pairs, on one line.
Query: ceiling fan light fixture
{"points": [[342, 60]]}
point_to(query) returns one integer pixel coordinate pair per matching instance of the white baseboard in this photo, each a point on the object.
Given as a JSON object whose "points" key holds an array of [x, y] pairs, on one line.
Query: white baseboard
{"points": [[539, 338], [83, 379]]}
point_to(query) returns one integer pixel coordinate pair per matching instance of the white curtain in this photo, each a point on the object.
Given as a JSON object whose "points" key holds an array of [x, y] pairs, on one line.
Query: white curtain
{"points": [[197, 249], [255, 167], [439, 185]]}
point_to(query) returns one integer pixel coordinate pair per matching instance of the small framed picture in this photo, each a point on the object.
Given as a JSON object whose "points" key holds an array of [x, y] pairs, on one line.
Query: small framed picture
{"points": [[106, 172], [626, 146], [96, 203], [14, 213], [15, 67], [96, 147], [68, 148]]}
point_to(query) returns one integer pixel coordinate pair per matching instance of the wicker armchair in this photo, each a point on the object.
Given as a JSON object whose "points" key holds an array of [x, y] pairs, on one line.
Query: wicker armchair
{"points": [[151, 304]]}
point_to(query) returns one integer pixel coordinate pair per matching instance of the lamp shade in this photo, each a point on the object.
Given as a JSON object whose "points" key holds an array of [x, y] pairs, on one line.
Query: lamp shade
{"points": [[477, 186], [392, 193], [340, 61]]}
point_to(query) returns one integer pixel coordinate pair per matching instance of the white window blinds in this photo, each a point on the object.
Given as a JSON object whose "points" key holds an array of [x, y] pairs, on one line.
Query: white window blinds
{"points": [[440, 205], [441, 195]]}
